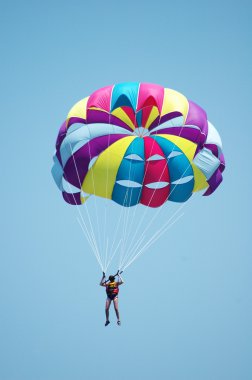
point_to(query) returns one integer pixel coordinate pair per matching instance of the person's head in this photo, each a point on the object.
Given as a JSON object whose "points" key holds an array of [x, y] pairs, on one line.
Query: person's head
{"points": [[111, 278]]}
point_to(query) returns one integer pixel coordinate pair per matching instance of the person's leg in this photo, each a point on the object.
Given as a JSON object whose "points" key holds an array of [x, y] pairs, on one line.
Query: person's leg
{"points": [[107, 306], [115, 300]]}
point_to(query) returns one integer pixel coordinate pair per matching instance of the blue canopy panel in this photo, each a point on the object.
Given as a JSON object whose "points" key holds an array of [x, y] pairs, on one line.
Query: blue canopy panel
{"points": [[128, 186], [180, 170], [125, 94]]}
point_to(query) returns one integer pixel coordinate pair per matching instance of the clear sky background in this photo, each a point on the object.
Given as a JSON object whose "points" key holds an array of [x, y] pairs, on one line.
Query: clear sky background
{"points": [[186, 304]]}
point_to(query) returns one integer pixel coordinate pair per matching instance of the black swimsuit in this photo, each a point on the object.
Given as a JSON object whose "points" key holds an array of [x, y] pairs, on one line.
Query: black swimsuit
{"points": [[112, 290]]}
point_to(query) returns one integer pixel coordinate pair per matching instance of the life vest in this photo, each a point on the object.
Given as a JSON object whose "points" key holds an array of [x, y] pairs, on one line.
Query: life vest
{"points": [[112, 288]]}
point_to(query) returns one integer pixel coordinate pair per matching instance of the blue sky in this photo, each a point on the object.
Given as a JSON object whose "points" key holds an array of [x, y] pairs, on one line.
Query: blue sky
{"points": [[186, 304]]}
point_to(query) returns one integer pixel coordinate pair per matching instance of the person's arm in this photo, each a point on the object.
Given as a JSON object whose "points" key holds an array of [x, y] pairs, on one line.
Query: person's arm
{"points": [[120, 282], [103, 282]]}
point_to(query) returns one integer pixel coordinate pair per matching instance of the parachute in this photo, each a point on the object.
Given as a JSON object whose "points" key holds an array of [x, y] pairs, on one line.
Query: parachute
{"points": [[136, 144]]}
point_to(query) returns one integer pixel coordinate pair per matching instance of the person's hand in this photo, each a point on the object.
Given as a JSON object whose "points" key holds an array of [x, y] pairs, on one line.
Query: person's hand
{"points": [[103, 273]]}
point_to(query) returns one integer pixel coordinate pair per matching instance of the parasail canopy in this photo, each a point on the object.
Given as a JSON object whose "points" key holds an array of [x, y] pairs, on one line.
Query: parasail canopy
{"points": [[137, 143]]}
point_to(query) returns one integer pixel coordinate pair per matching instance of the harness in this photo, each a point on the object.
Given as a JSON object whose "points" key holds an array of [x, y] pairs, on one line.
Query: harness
{"points": [[112, 289]]}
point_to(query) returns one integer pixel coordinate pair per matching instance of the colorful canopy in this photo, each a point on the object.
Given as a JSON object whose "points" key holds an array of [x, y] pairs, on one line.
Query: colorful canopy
{"points": [[137, 143]]}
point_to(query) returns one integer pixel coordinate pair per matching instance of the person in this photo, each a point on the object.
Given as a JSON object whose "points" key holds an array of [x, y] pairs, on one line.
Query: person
{"points": [[112, 290]]}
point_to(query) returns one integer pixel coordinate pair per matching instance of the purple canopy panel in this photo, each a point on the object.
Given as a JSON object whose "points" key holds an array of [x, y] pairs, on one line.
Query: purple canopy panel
{"points": [[222, 162], [96, 116], [60, 138], [61, 134], [115, 121], [197, 116], [72, 199], [73, 120], [188, 133], [214, 182]]}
